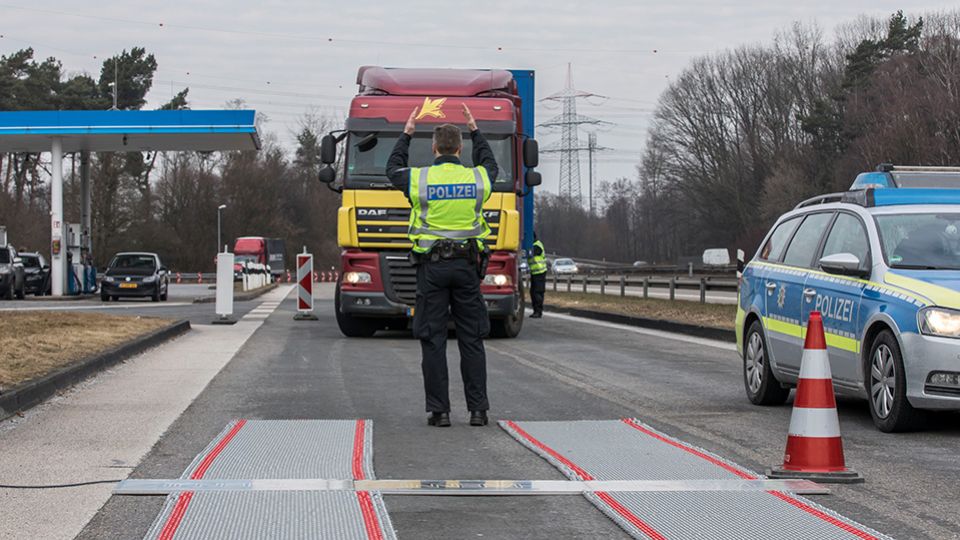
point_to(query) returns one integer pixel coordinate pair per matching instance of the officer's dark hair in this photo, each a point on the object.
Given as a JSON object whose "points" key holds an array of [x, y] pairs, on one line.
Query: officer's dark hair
{"points": [[447, 139]]}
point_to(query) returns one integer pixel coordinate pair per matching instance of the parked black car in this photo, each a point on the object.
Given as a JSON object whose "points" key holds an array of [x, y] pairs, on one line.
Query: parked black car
{"points": [[135, 274], [11, 274], [36, 274]]}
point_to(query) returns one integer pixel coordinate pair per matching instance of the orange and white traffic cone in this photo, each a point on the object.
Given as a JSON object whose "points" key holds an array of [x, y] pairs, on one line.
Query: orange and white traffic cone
{"points": [[814, 447]]}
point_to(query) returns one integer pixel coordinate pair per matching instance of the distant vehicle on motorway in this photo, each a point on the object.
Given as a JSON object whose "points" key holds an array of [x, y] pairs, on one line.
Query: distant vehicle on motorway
{"points": [[565, 266], [36, 273], [12, 283], [640, 263], [135, 274], [882, 265], [716, 257]]}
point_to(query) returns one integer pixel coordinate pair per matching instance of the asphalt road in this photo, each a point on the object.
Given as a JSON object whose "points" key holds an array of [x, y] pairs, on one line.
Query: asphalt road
{"points": [[559, 368], [179, 305]]}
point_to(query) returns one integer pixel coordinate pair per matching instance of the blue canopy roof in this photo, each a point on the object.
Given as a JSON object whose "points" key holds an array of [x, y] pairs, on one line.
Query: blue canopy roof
{"points": [[124, 131]]}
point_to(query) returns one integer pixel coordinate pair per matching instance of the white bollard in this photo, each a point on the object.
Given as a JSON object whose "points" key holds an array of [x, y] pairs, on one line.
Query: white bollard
{"points": [[304, 287], [224, 305]]}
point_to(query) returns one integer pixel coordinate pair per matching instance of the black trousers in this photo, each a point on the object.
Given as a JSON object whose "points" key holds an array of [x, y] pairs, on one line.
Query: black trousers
{"points": [[444, 288], [538, 286]]}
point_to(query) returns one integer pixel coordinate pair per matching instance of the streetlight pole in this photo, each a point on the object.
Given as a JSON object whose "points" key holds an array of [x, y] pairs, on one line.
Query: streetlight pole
{"points": [[219, 212]]}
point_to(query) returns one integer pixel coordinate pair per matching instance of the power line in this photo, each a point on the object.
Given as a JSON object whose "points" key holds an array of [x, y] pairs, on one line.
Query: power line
{"points": [[331, 40]]}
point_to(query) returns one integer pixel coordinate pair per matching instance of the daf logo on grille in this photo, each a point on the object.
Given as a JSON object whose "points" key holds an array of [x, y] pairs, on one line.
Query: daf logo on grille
{"points": [[371, 212]]}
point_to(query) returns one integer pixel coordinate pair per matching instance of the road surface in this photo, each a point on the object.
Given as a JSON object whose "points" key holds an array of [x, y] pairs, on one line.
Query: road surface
{"points": [[560, 368]]}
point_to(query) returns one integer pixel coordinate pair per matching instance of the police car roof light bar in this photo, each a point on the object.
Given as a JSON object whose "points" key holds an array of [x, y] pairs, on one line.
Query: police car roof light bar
{"points": [[890, 167]]}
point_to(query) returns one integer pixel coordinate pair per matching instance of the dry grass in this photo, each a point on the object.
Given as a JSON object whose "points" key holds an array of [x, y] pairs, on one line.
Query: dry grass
{"points": [[33, 344], [711, 315]]}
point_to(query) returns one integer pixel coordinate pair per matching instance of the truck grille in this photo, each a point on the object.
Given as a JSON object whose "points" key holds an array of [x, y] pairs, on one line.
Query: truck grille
{"points": [[400, 284]]}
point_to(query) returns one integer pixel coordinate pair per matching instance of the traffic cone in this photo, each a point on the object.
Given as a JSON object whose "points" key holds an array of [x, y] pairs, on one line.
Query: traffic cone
{"points": [[814, 447]]}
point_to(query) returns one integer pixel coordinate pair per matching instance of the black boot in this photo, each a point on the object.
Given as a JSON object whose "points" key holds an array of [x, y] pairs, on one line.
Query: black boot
{"points": [[478, 418], [537, 315], [439, 419]]}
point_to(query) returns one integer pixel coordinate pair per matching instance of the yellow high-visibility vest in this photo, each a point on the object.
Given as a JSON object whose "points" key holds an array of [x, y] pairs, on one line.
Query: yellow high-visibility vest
{"points": [[447, 203]]}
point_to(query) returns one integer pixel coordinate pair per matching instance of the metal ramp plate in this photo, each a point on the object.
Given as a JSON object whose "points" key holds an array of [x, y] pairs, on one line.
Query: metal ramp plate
{"points": [[279, 449], [629, 450]]}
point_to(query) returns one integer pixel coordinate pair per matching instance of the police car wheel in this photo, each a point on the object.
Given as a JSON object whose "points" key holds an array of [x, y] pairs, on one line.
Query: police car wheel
{"points": [[887, 388], [758, 380]]}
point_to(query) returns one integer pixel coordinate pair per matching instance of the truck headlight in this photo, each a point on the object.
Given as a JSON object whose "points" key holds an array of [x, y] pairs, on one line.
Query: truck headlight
{"points": [[354, 278], [936, 321], [497, 280]]}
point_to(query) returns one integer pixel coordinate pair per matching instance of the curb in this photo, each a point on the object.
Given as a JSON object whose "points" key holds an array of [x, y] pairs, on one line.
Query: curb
{"points": [[655, 324], [33, 392], [238, 297], [66, 298]]}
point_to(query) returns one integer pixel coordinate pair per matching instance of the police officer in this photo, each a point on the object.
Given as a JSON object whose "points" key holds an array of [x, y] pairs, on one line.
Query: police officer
{"points": [[447, 229], [537, 261]]}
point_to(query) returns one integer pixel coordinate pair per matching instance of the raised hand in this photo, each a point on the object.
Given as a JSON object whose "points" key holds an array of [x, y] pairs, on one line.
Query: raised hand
{"points": [[471, 122], [411, 125]]}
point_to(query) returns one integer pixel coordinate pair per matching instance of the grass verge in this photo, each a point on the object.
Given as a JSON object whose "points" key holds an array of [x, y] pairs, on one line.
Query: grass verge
{"points": [[33, 344], [709, 315]]}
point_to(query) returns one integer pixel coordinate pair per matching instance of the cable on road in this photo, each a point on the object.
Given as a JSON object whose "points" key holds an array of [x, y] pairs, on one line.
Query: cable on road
{"points": [[59, 486]]}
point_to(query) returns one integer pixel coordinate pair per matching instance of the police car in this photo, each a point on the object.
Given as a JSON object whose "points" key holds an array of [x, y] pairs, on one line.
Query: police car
{"points": [[881, 263]]}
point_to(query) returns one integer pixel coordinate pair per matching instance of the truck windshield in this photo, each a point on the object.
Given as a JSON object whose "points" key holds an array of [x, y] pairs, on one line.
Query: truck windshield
{"points": [[367, 155], [922, 241]]}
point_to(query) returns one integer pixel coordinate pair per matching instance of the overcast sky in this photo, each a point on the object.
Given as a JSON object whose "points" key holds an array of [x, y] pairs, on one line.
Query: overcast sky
{"points": [[284, 58]]}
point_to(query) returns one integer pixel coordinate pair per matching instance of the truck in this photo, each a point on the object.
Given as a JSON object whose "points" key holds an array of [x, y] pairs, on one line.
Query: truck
{"points": [[377, 286], [260, 250]]}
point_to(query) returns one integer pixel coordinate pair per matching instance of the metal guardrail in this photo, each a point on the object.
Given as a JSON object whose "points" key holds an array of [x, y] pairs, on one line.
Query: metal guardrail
{"points": [[618, 284]]}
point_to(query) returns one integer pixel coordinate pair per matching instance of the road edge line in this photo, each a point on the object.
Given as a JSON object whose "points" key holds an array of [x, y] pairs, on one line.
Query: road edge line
{"points": [[36, 391]]}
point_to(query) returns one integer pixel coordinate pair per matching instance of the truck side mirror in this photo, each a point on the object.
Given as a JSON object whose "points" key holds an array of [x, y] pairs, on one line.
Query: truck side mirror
{"points": [[532, 178], [327, 175], [531, 153], [328, 150]]}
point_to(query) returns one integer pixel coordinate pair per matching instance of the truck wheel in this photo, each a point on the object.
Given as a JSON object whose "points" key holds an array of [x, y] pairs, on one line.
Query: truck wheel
{"points": [[510, 326], [758, 380], [887, 386], [352, 326]]}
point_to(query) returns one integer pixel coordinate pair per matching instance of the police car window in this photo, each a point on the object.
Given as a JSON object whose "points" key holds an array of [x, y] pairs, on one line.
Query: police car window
{"points": [[805, 243], [848, 236], [923, 241], [773, 248]]}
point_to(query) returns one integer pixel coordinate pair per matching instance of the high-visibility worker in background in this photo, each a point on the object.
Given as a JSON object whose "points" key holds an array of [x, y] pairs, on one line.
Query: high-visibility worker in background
{"points": [[447, 229], [537, 261]]}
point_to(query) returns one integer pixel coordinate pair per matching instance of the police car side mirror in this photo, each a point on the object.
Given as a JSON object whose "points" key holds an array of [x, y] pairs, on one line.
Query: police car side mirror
{"points": [[531, 153], [327, 175], [532, 178], [328, 150], [844, 264]]}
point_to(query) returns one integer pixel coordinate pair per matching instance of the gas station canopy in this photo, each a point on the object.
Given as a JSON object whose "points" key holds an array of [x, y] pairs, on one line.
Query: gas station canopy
{"points": [[60, 132], [128, 131]]}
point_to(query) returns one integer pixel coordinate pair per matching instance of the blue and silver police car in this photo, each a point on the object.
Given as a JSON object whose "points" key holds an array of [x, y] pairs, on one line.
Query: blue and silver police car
{"points": [[881, 263]]}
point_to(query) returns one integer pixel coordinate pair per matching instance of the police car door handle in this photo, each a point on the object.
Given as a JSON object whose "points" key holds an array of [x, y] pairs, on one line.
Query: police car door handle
{"points": [[771, 286], [809, 293]]}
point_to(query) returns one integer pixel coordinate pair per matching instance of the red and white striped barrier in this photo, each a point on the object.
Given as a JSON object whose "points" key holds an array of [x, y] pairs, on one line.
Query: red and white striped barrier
{"points": [[304, 287], [199, 278], [179, 278], [814, 446]]}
